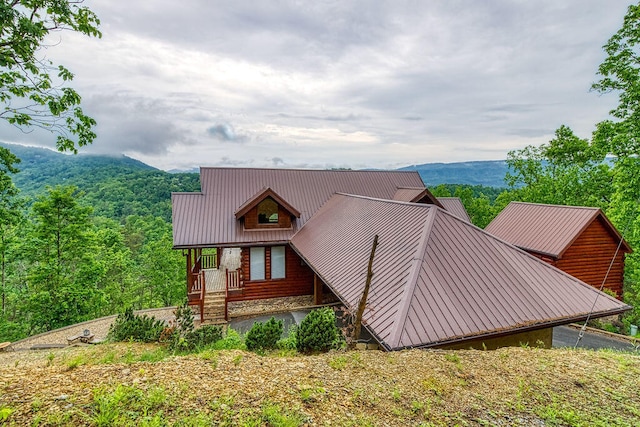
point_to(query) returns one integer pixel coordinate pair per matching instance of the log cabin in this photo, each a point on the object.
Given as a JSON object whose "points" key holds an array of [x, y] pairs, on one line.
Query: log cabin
{"points": [[283, 232], [578, 240]]}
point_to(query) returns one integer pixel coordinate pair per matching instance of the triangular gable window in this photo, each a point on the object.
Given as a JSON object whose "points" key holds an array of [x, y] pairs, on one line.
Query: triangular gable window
{"points": [[266, 210]]}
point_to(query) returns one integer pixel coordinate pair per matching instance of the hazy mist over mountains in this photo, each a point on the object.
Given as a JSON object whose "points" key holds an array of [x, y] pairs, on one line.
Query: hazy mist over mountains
{"points": [[42, 166]]}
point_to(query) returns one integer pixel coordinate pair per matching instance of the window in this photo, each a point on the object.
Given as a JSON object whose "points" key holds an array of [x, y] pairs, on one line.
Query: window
{"points": [[256, 264], [277, 262], [268, 211]]}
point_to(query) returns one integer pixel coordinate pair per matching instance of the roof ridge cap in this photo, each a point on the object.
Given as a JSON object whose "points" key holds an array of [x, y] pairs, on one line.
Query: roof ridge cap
{"points": [[556, 206], [377, 199], [412, 280], [310, 169]]}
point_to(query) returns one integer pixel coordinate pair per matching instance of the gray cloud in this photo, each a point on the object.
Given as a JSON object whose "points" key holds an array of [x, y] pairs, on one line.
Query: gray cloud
{"points": [[337, 83], [224, 132]]}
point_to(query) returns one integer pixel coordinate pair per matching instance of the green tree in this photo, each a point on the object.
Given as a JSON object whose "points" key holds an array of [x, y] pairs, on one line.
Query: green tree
{"points": [[481, 207], [10, 214], [619, 73], [117, 286], [567, 171], [63, 276], [164, 273], [33, 90]]}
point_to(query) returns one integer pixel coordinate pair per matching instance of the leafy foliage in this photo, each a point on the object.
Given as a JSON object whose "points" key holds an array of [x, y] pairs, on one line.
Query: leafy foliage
{"points": [[481, 203], [317, 331], [62, 274], [133, 327], [568, 170], [116, 187], [32, 89], [264, 336]]}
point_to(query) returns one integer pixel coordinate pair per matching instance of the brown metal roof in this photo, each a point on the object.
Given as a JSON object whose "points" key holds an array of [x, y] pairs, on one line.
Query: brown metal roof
{"points": [[437, 278], [546, 229], [455, 206], [208, 218]]}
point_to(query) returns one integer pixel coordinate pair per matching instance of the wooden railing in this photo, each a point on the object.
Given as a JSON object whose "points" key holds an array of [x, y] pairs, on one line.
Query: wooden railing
{"points": [[208, 261], [196, 292], [233, 280]]}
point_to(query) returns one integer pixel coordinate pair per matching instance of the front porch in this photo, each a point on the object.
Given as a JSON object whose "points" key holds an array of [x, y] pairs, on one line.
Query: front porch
{"points": [[217, 291]]}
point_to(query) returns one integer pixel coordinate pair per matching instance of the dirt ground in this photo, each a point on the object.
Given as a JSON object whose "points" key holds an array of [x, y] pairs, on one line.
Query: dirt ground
{"points": [[512, 386]]}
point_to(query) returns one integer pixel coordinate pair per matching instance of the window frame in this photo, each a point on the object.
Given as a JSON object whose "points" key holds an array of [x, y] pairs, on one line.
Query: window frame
{"points": [[257, 253], [283, 258]]}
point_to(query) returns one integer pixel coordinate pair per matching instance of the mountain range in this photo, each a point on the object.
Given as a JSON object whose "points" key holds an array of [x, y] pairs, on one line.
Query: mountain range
{"points": [[41, 167]]}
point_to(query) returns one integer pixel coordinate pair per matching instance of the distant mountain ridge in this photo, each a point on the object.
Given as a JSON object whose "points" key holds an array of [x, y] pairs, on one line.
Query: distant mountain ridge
{"points": [[115, 186], [489, 173], [41, 167]]}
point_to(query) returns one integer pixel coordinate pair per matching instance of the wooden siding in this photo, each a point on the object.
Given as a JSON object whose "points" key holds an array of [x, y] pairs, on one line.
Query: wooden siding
{"points": [[298, 280], [588, 258], [251, 219]]}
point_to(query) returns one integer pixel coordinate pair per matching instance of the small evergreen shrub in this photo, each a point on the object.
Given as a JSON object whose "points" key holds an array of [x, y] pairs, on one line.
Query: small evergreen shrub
{"points": [[182, 336], [318, 331], [133, 327], [204, 336], [264, 336]]}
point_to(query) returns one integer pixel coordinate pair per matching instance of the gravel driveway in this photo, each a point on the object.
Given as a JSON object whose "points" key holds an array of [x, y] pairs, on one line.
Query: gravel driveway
{"points": [[98, 327]]}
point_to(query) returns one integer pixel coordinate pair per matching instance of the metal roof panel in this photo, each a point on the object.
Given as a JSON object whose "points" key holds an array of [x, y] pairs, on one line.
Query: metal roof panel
{"points": [[437, 278]]}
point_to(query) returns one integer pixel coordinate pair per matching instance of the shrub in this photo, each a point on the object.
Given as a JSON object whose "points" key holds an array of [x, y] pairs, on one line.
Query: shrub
{"points": [[183, 337], [133, 327], [318, 331], [204, 336], [231, 341], [289, 342], [264, 336]]}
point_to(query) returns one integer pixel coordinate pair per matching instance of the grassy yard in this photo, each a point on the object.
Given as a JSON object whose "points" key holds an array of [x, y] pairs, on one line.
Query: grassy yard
{"points": [[143, 385]]}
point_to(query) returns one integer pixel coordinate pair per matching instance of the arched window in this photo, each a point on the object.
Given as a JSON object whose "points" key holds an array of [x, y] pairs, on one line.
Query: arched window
{"points": [[268, 211]]}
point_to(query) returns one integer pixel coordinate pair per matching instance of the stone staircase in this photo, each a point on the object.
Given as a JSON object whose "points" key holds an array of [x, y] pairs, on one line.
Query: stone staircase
{"points": [[215, 285]]}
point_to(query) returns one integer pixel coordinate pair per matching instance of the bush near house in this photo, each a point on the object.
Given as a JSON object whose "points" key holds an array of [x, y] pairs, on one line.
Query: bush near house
{"points": [[318, 331], [134, 327], [264, 336]]}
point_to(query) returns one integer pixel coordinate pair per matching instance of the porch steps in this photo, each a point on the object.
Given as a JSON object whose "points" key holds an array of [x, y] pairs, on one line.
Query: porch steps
{"points": [[214, 307]]}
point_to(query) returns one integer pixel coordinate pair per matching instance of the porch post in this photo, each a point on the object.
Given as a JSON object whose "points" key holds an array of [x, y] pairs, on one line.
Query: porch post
{"points": [[317, 290], [189, 275]]}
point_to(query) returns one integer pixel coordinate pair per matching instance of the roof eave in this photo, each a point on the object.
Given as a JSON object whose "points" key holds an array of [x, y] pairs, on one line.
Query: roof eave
{"points": [[528, 328]]}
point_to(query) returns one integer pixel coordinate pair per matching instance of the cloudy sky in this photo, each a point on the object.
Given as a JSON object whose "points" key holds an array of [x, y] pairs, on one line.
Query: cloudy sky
{"points": [[335, 83]]}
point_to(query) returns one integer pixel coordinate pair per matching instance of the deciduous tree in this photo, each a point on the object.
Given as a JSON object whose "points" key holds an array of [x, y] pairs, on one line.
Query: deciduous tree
{"points": [[33, 90], [64, 274]]}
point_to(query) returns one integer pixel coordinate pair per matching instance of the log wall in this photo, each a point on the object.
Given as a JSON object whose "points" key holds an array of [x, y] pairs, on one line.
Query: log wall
{"points": [[298, 280], [588, 258], [251, 219]]}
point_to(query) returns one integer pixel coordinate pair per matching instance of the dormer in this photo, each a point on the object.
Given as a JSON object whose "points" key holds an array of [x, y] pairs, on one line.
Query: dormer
{"points": [[416, 195], [266, 210]]}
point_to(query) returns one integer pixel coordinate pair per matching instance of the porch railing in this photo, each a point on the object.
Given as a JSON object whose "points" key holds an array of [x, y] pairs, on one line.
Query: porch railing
{"points": [[208, 261], [233, 280], [196, 292]]}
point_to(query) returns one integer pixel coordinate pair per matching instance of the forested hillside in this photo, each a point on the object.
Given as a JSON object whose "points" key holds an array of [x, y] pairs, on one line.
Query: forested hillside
{"points": [[84, 236], [115, 187]]}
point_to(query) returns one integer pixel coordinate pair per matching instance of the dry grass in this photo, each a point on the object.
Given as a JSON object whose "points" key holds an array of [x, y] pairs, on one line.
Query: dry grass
{"points": [[130, 384]]}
